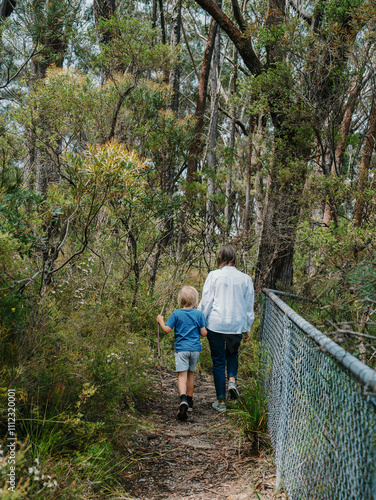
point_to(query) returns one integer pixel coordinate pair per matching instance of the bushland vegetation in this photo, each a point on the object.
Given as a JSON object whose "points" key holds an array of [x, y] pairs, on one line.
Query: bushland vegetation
{"points": [[135, 139]]}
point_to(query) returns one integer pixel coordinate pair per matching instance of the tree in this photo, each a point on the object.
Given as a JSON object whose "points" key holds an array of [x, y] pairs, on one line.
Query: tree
{"points": [[276, 247], [286, 77]]}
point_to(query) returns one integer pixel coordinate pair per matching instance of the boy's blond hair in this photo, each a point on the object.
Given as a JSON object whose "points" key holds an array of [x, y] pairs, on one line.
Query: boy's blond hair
{"points": [[188, 297]]}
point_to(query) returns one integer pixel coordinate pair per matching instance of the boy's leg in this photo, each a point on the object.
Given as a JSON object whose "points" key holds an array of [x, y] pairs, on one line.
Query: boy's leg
{"points": [[190, 383], [182, 382], [182, 364], [182, 385], [193, 360]]}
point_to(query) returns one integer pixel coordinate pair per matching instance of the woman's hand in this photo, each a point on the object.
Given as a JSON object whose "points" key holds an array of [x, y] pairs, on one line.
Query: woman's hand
{"points": [[246, 336], [160, 319]]}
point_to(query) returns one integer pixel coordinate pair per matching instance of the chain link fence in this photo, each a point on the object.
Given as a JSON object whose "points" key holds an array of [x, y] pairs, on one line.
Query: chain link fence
{"points": [[321, 409]]}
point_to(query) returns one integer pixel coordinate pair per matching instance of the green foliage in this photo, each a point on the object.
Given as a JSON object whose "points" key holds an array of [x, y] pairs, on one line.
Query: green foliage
{"points": [[343, 10], [74, 394], [271, 35], [130, 43], [334, 266], [251, 413]]}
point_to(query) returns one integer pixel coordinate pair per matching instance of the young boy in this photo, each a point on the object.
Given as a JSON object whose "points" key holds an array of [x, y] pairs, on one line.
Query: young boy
{"points": [[189, 324]]}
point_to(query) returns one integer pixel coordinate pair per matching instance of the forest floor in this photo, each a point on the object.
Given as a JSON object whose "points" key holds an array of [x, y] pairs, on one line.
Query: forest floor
{"points": [[205, 457]]}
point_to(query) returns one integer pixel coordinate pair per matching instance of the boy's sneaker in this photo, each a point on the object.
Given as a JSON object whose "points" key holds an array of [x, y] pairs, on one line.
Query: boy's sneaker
{"points": [[190, 403], [183, 408], [233, 390], [219, 406]]}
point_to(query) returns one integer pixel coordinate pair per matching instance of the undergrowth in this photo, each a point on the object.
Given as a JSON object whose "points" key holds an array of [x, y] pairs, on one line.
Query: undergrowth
{"points": [[80, 378]]}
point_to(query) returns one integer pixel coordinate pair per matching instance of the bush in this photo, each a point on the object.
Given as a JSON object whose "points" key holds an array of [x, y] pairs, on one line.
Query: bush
{"points": [[84, 369]]}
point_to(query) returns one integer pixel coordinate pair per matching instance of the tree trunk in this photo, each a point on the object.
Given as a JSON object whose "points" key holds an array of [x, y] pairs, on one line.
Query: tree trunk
{"points": [[174, 78], [163, 24], [197, 141], [154, 13], [259, 178], [228, 212], [288, 169], [104, 9], [364, 165], [336, 160], [250, 153], [212, 139], [6, 8], [276, 249]]}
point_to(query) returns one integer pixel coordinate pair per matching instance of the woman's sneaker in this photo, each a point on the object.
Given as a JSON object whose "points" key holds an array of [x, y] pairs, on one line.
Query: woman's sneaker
{"points": [[183, 408], [233, 390], [219, 406], [190, 403]]}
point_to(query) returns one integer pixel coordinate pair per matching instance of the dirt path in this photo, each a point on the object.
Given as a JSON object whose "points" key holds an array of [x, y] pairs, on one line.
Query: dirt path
{"points": [[202, 458]]}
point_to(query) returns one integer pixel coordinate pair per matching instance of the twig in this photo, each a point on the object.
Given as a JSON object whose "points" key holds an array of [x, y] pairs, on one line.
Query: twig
{"points": [[350, 332], [160, 360], [213, 491]]}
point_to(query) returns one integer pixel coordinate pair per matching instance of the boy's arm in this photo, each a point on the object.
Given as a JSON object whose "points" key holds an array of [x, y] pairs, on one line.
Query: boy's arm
{"points": [[164, 327], [203, 331]]}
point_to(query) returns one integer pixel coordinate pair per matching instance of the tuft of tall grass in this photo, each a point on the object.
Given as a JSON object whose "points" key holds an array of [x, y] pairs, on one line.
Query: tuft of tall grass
{"points": [[250, 412]]}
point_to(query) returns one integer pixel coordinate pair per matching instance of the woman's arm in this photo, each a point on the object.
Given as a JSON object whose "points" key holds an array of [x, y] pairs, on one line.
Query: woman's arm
{"points": [[249, 303]]}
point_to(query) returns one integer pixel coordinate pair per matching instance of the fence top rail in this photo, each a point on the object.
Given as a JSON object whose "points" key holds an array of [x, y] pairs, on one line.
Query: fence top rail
{"points": [[362, 372]]}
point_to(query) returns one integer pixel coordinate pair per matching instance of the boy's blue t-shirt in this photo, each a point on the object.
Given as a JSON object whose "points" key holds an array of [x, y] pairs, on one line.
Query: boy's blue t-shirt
{"points": [[187, 324]]}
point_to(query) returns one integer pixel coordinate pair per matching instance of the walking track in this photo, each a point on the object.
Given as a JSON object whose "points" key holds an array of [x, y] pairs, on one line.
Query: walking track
{"points": [[205, 457]]}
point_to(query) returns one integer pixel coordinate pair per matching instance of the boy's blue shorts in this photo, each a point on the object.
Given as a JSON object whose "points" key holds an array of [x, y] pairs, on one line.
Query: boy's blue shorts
{"points": [[186, 360]]}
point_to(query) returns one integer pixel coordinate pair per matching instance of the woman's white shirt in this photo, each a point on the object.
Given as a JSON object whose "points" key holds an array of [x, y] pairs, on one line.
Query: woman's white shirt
{"points": [[228, 300]]}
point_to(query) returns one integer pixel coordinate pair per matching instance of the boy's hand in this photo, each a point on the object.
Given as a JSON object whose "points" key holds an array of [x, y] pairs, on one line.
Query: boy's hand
{"points": [[164, 327]]}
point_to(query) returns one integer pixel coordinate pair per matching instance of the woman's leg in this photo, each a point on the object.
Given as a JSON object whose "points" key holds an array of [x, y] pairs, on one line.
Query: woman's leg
{"points": [[232, 355], [218, 354]]}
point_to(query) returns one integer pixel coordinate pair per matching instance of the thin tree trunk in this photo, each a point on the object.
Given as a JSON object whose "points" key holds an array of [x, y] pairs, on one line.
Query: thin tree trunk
{"points": [[197, 142], [212, 140], [248, 176], [174, 78], [259, 178], [364, 165], [228, 212], [6, 8], [163, 24], [166, 75], [330, 212], [154, 14]]}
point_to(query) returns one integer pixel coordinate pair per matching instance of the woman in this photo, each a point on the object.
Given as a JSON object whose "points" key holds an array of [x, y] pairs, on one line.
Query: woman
{"points": [[227, 303]]}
